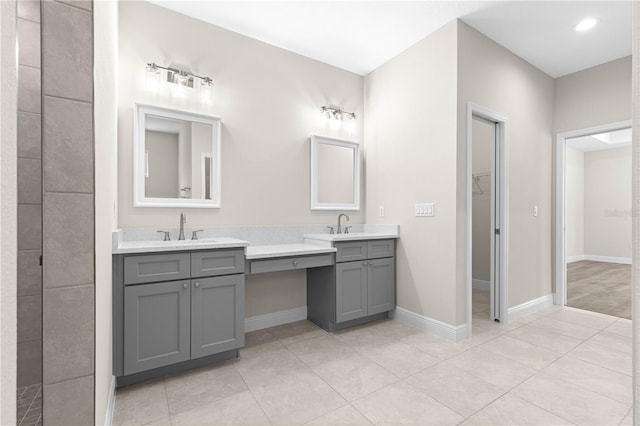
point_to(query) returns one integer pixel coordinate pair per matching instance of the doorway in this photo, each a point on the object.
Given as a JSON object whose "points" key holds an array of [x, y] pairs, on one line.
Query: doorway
{"points": [[487, 215], [593, 219]]}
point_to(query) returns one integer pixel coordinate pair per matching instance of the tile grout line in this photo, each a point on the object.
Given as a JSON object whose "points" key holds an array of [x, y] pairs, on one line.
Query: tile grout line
{"points": [[252, 394]]}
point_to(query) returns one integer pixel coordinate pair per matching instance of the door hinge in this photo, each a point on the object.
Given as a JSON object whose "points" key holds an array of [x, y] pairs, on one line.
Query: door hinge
{"points": [[497, 232]]}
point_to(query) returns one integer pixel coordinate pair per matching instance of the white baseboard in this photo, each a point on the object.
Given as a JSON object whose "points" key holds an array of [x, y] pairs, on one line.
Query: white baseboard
{"points": [[529, 307], [439, 328], [480, 284], [276, 318], [596, 258], [111, 403], [609, 259], [578, 258]]}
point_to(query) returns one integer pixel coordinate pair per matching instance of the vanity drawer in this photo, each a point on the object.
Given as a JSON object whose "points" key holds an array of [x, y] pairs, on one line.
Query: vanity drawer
{"points": [[288, 263], [217, 262], [353, 250], [155, 267], [380, 248]]}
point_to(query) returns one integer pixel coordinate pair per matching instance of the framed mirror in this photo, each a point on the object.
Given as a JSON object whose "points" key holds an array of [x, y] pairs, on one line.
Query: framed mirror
{"points": [[176, 159], [335, 174]]}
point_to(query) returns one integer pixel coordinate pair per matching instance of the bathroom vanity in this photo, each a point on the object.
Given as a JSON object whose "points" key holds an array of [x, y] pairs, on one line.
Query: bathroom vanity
{"points": [[180, 304]]}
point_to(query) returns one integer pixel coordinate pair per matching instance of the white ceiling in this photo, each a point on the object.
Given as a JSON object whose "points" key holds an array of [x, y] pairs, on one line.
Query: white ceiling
{"points": [[601, 141], [359, 36]]}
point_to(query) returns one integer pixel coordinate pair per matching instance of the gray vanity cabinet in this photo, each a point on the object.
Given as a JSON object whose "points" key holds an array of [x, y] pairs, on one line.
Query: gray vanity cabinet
{"points": [[353, 291], [157, 318], [193, 314], [217, 315]]}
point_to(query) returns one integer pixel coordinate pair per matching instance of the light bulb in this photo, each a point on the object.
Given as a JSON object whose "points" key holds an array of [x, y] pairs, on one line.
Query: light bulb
{"points": [[586, 24]]}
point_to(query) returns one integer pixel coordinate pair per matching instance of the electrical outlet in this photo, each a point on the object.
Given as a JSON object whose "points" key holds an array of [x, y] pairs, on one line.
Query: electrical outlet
{"points": [[535, 211], [424, 210], [381, 211]]}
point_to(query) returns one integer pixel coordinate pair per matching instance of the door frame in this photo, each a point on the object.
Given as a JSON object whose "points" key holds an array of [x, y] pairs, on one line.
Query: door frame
{"points": [[560, 293], [500, 171]]}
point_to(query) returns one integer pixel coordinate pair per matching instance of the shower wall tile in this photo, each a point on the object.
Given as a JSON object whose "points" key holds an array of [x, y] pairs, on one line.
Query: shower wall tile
{"points": [[67, 51], [68, 333], [29, 318], [29, 363], [69, 403], [29, 39], [29, 227], [68, 146], [29, 273], [29, 89], [29, 135], [83, 4], [29, 181], [68, 240], [29, 9]]}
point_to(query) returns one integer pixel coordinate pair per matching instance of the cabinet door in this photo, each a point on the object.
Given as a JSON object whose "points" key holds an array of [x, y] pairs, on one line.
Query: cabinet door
{"points": [[217, 314], [156, 325], [351, 290], [381, 286]]}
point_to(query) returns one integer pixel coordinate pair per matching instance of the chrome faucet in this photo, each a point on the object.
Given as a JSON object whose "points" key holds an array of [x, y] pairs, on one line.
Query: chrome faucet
{"points": [[183, 220], [339, 224]]}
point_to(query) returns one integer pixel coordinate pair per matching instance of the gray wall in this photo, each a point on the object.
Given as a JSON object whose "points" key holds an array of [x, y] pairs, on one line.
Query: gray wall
{"points": [[68, 206], [574, 175]]}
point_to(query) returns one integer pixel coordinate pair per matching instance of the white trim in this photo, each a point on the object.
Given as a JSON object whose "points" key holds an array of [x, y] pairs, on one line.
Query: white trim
{"points": [[608, 259], [560, 297], [446, 331], [530, 307], [275, 318], [481, 284], [578, 258], [111, 403], [502, 170]]}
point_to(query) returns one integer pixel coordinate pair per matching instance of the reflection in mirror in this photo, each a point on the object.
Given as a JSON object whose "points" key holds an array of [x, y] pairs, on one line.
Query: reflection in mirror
{"points": [[335, 174], [177, 159]]}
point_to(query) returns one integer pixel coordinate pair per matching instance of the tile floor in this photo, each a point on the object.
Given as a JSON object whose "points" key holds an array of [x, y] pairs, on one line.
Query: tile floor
{"points": [[29, 405], [559, 366], [600, 287]]}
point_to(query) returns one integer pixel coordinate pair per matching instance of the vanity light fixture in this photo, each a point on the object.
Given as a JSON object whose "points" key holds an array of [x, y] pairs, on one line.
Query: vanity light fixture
{"points": [[336, 113], [179, 77]]}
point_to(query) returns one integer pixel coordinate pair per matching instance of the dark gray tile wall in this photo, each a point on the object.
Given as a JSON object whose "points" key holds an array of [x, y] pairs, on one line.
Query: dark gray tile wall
{"points": [[29, 196], [68, 212]]}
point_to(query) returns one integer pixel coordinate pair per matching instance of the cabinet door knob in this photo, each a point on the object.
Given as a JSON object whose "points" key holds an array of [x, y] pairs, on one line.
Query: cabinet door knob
{"points": [[364, 263], [197, 284], [295, 263], [185, 285]]}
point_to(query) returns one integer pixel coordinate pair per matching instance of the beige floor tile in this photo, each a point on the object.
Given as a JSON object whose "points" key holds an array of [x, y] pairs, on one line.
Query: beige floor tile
{"points": [[297, 398], [628, 420], [565, 328], [511, 411], [613, 341], [520, 351], [458, 390], [354, 376], [495, 369], [239, 409], [433, 345], [604, 356], [141, 404], [161, 422], [399, 358], [258, 337], [402, 404], [597, 379], [545, 339], [570, 401], [260, 365], [585, 318], [621, 327], [345, 416], [202, 386], [395, 329], [320, 350], [296, 331]]}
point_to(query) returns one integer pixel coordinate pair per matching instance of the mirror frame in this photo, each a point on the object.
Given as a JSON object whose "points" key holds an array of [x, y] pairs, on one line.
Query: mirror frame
{"points": [[139, 127], [315, 203]]}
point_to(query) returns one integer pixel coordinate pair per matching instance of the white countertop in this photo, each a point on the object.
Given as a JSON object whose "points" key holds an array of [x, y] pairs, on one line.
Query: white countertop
{"points": [[283, 250], [352, 236], [159, 246]]}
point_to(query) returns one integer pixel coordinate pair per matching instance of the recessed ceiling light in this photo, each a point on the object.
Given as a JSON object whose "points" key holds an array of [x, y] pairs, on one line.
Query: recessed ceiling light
{"points": [[587, 24]]}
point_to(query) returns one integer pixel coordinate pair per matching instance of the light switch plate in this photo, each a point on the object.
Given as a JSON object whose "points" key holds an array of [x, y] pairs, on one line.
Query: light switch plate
{"points": [[425, 210]]}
